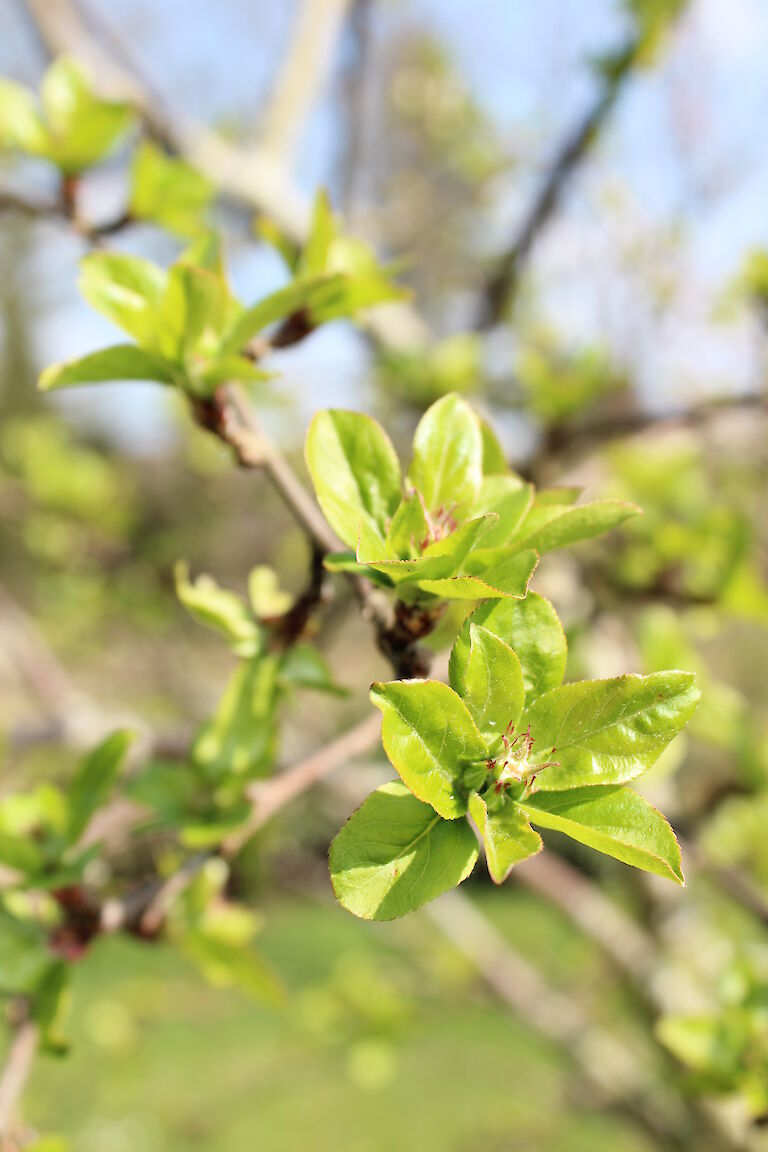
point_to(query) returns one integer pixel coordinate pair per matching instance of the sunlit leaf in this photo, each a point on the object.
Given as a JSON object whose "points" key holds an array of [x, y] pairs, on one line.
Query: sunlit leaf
{"points": [[490, 682], [355, 471], [429, 737], [532, 629], [120, 362], [507, 835], [447, 464], [608, 731], [395, 854], [615, 821]]}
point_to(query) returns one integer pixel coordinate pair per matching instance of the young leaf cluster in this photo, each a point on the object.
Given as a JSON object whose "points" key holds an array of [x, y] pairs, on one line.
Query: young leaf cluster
{"points": [[459, 526], [40, 849], [68, 124], [507, 745], [189, 329]]}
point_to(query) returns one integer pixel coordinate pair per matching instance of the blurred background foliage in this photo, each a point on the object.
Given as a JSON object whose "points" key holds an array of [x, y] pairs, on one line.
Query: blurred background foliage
{"points": [[624, 352]]}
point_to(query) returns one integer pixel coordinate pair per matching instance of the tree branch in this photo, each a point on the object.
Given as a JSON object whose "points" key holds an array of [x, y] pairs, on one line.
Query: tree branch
{"points": [[16, 1071], [608, 1066], [301, 75], [564, 443], [598, 917], [269, 797], [573, 150]]}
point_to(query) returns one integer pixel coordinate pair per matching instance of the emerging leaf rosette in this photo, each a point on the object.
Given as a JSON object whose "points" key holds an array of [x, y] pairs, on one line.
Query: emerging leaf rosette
{"points": [[189, 329], [506, 744], [69, 124], [461, 526]]}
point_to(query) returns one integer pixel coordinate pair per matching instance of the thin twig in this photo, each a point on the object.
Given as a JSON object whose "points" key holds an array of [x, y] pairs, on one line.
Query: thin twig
{"points": [[240, 428], [574, 148], [16, 1071], [269, 797]]}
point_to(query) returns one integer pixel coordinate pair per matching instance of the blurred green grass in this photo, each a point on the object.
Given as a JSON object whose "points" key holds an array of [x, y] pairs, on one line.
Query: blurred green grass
{"points": [[377, 1048]]}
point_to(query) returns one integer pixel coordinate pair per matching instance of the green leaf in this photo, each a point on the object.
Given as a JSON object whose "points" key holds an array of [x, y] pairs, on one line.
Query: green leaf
{"points": [[94, 780], [206, 251], [494, 460], [72, 127], [561, 496], [442, 558], [487, 573], [21, 854], [128, 291], [267, 598], [429, 737], [358, 288], [348, 562], [394, 855], [314, 258], [507, 835], [24, 955], [612, 820], [608, 731], [408, 529], [168, 192], [230, 965], [21, 125], [225, 370], [220, 609], [355, 472], [193, 311], [447, 465], [240, 740], [299, 296], [50, 1005], [120, 362], [510, 499], [554, 526], [532, 630], [490, 682], [505, 572], [82, 128]]}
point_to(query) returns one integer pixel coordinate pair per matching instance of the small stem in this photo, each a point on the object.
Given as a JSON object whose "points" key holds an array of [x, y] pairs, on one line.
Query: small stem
{"points": [[229, 416]]}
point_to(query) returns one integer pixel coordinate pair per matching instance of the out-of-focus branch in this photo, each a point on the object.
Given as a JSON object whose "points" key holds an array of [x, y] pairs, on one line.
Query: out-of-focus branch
{"points": [[239, 427], [355, 89], [75, 716], [24, 206], [16, 1071], [64, 26], [270, 796], [57, 210], [609, 1067], [302, 72], [598, 917], [562, 445], [571, 153]]}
